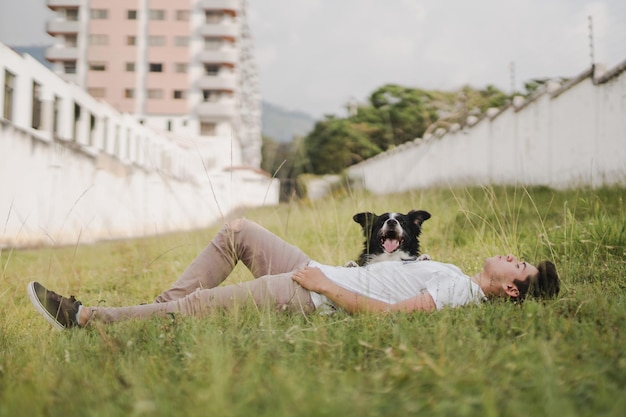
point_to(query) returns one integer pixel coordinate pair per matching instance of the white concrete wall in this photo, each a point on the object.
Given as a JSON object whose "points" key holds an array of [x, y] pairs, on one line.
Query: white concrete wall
{"points": [[118, 179], [565, 136]]}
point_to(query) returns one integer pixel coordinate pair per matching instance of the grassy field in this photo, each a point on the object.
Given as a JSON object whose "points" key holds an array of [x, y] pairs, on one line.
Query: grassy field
{"points": [[564, 357]]}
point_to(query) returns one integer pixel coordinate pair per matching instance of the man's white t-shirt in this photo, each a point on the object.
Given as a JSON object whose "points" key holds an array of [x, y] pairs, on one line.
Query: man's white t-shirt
{"points": [[395, 281]]}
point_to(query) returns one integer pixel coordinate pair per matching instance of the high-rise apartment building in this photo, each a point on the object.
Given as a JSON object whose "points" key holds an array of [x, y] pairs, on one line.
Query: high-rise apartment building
{"points": [[184, 66]]}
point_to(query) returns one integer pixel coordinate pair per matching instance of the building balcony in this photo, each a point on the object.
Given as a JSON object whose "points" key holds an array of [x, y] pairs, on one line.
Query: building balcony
{"points": [[211, 82], [217, 109], [61, 54], [230, 30], [54, 27], [230, 5], [63, 4], [219, 56]]}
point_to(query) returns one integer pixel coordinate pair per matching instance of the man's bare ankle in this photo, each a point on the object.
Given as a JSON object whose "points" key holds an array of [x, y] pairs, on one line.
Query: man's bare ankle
{"points": [[84, 315]]}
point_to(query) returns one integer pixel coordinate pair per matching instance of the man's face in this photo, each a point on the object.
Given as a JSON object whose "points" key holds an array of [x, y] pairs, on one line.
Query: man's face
{"points": [[508, 268]]}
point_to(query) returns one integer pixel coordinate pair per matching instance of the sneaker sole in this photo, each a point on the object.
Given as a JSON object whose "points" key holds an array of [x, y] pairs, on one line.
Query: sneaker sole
{"points": [[30, 288]]}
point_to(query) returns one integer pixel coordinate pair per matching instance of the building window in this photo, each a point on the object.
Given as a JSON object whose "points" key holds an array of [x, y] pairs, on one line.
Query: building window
{"points": [[71, 41], [129, 93], [97, 66], [77, 118], [36, 119], [98, 14], [156, 40], [131, 14], [211, 95], [207, 129], [69, 67], [155, 93], [213, 16], [182, 15], [56, 104], [71, 15], [131, 40], [155, 67], [181, 41], [9, 90], [130, 67], [180, 68], [98, 39], [212, 43], [211, 69], [97, 92], [92, 129], [156, 14], [179, 94]]}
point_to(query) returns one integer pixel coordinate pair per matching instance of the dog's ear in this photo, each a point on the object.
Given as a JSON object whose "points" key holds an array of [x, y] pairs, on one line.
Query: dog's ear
{"points": [[366, 219], [418, 216]]}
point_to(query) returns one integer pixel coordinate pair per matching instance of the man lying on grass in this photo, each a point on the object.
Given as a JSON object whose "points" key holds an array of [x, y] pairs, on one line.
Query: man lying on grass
{"points": [[288, 280]]}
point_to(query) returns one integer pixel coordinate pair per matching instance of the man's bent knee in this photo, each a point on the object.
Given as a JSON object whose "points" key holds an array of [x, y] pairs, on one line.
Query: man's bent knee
{"points": [[237, 224]]}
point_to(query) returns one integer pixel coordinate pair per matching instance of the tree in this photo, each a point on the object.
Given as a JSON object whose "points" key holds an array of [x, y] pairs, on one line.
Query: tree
{"points": [[285, 161], [400, 114], [493, 97], [334, 144], [270, 155], [394, 115]]}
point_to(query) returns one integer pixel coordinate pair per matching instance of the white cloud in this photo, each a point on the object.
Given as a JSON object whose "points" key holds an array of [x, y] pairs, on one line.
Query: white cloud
{"points": [[418, 9], [394, 49], [266, 56]]}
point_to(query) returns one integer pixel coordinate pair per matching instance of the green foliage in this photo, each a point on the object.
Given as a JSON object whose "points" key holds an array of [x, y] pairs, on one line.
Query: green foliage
{"points": [[400, 114], [484, 99], [562, 357], [394, 115], [337, 143], [271, 155], [286, 161], [531, 87]]}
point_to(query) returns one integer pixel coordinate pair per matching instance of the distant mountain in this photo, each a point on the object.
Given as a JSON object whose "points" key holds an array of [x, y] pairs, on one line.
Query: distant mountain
{"points": [[277, 123], [283, 125]]}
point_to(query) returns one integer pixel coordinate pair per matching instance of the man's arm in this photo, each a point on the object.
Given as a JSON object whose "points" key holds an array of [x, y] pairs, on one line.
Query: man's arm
{"points": [[313, 279]]}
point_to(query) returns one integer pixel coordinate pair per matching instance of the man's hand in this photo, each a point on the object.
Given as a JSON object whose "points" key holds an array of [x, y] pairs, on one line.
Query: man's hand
{"points": [[313, 279]]}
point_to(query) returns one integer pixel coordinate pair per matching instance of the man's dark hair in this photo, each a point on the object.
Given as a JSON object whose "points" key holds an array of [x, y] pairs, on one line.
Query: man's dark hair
{"points": [[543, 285]]}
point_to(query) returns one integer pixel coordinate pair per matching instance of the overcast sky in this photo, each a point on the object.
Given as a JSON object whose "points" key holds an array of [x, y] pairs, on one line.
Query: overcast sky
{"points": [[317, 55]]}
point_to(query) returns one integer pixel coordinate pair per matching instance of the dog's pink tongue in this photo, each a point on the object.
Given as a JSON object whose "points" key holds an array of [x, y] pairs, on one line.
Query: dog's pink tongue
{"points": [[390, 245]]}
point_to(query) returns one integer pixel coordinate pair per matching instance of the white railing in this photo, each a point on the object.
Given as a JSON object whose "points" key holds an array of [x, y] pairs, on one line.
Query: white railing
{"points": [[87, 172]]}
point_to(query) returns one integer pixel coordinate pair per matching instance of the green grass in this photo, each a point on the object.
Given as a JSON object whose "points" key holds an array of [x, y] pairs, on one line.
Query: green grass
{"points": [[563, 357]]}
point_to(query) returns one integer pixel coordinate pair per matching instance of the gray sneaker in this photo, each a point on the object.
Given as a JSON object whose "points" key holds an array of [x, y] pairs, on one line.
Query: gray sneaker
{"points": [[59, 311]]}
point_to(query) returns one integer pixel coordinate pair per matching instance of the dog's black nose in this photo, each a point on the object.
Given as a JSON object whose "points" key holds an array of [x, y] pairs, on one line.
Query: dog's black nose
{"points": [[392, 222]]}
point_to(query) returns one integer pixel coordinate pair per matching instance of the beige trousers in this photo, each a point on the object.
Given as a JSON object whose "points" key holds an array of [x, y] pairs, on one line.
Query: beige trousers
{"points": [[197, 292]]}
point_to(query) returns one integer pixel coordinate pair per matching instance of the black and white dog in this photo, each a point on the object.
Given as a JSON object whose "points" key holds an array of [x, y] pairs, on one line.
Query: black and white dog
{"points": [[391, 236]]}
